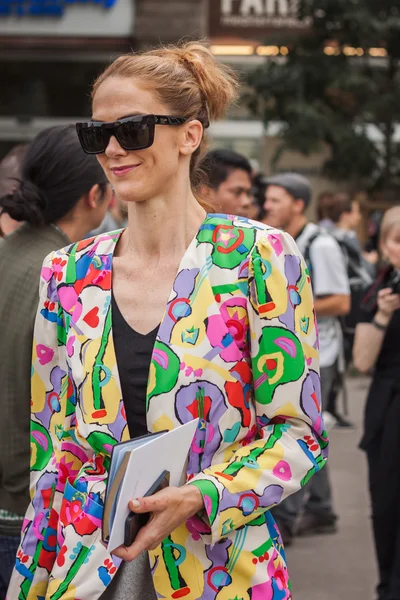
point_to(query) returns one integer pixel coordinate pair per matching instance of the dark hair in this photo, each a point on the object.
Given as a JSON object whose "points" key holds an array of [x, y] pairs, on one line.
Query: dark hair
{"points": [[217, 165], [335, 205], [10, 169], [259, 188], [55, 174]]}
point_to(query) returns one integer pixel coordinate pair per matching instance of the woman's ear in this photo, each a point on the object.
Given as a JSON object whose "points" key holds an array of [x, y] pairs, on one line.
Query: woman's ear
{"points": [[93, 197], [192, 136]]}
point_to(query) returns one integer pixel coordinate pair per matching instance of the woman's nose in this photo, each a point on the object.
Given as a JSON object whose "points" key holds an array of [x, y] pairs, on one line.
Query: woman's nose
{"points": [[114, 148]]}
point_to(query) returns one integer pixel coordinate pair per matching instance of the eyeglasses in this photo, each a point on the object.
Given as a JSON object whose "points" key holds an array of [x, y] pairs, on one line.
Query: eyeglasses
{"points": [[132, 133]]}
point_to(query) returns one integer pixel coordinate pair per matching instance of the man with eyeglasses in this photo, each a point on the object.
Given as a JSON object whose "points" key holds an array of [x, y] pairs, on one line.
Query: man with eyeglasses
{"points": [[228, 187]]}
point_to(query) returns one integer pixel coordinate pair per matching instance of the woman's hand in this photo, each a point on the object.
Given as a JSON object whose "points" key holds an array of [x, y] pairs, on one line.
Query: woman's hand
{"points": [[387, 304], [169, 507]]}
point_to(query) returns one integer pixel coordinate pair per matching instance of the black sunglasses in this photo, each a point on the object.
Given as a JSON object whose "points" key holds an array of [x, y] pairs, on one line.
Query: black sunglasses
{"points": [[132, 133]]}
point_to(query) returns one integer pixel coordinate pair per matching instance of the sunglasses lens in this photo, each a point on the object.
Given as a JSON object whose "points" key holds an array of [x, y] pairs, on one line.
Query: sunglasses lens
{"points": [[134, 135], [92, 140]]}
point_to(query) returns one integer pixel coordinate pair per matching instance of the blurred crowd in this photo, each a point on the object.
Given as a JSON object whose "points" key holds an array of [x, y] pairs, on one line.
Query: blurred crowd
{"points": [[356, 288]]}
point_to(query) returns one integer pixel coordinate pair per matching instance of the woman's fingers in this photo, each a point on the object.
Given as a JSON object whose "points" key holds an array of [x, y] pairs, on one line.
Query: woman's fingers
{"points": [[169, 508], [155, 503], [148, 538]]}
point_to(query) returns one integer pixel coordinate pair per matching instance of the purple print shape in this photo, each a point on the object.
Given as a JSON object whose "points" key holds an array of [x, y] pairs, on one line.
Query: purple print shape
{"points": [[206, 401], [271, 495], [310, 400], [45, 416], [40, 522], [117, 427], [184, 285], [292, 273]]}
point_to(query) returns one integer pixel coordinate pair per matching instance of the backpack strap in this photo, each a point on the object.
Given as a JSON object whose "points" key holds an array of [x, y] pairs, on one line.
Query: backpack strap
{"points": [[307, 251]]}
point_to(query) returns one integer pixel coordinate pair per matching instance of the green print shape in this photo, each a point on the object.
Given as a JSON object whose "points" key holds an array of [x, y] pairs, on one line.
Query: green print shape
{"points": [[209, 490], [41, 439], [100, 440], [276, 340], [70, 272], [171, 564], [61, 330], [250, 460], [26, 585], [261, 550], [320, 462], [80, 559], [167, 368], [98, 370], [230, 244], [261, 271]]}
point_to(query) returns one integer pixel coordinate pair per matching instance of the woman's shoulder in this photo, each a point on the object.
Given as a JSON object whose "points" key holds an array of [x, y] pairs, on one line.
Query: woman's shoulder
{"points": [[74, 261], [251, 233]]}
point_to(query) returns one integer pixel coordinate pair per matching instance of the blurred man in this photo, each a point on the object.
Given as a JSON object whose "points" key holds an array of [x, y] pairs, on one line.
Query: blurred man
{"points": [[287, 196], [345, 216], [228, 186]]}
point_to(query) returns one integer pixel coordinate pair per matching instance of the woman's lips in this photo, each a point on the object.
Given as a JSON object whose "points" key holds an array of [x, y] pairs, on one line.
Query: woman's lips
{"points": [[121, 171]]}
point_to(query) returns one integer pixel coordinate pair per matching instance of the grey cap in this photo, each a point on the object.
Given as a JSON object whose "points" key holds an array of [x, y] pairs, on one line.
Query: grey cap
{"points": [[297, 185]]}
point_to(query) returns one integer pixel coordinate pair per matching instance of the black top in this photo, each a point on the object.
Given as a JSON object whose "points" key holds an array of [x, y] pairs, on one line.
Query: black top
{"points": [[388, 362], [133, 351]]}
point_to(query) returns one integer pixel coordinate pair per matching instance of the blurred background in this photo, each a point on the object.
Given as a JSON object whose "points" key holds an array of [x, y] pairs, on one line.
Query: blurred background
{"points": [[320, 78]]}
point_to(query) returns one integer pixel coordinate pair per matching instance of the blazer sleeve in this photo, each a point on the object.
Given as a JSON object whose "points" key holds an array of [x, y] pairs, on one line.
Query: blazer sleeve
{"points": [[50, 431], [291, 441]]}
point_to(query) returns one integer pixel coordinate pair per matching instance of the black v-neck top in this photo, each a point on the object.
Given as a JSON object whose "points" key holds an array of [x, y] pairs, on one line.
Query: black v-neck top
{"points": [[133, 351]]}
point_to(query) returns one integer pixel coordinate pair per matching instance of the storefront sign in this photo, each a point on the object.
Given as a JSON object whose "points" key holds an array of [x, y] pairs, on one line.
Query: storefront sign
{"points": [[102, 18], [40, 8], [252, 18]]}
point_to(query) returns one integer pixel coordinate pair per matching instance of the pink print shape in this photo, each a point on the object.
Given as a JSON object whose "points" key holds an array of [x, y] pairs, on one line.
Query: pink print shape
{"points": [[276, 243], [207, 504], [216, 332], [44, 354], [69, 302], [46, 274], [282, 470], [192, 530], [70, 346]]}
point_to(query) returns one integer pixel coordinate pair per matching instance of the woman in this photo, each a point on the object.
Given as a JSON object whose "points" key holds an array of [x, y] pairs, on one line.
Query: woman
{"points": [[63, 193], [217, 311], [10, 167], [376, 347]]}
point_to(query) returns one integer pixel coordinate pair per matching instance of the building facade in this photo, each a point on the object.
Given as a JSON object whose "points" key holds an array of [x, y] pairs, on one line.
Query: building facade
{"points": [[52, 50], [50, 53]]}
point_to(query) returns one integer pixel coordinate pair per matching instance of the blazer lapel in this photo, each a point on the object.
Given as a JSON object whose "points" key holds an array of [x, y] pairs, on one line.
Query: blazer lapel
{"points": [[90, 345]]}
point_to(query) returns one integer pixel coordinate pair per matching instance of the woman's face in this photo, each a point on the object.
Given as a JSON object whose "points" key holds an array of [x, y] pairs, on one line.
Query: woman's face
{"points": [[145, 173], [391, 247]]}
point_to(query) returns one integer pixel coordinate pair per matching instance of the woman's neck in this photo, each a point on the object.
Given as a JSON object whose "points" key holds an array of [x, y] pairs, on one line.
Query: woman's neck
{"points": [[162, 226]]}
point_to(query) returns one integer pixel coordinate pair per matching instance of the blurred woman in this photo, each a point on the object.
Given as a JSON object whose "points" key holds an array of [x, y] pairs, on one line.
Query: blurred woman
{"points": [[181, 315], [62, 194], [377, 347], [10, 168]]}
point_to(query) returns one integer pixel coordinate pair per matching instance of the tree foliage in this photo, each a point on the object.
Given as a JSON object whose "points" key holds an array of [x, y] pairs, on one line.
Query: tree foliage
{"points": [[339, 99]]}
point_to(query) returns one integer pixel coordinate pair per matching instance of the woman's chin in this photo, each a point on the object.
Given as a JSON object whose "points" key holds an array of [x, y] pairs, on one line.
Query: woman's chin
{"points": [[130, 193]]}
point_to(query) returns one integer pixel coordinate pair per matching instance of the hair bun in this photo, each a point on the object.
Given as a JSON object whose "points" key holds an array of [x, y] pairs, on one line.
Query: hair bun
{"points": [[25, 203], [217, 82]]}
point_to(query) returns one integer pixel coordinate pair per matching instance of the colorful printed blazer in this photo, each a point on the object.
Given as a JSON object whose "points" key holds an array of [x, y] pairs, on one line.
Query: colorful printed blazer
{"points": [[237, 347]]}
